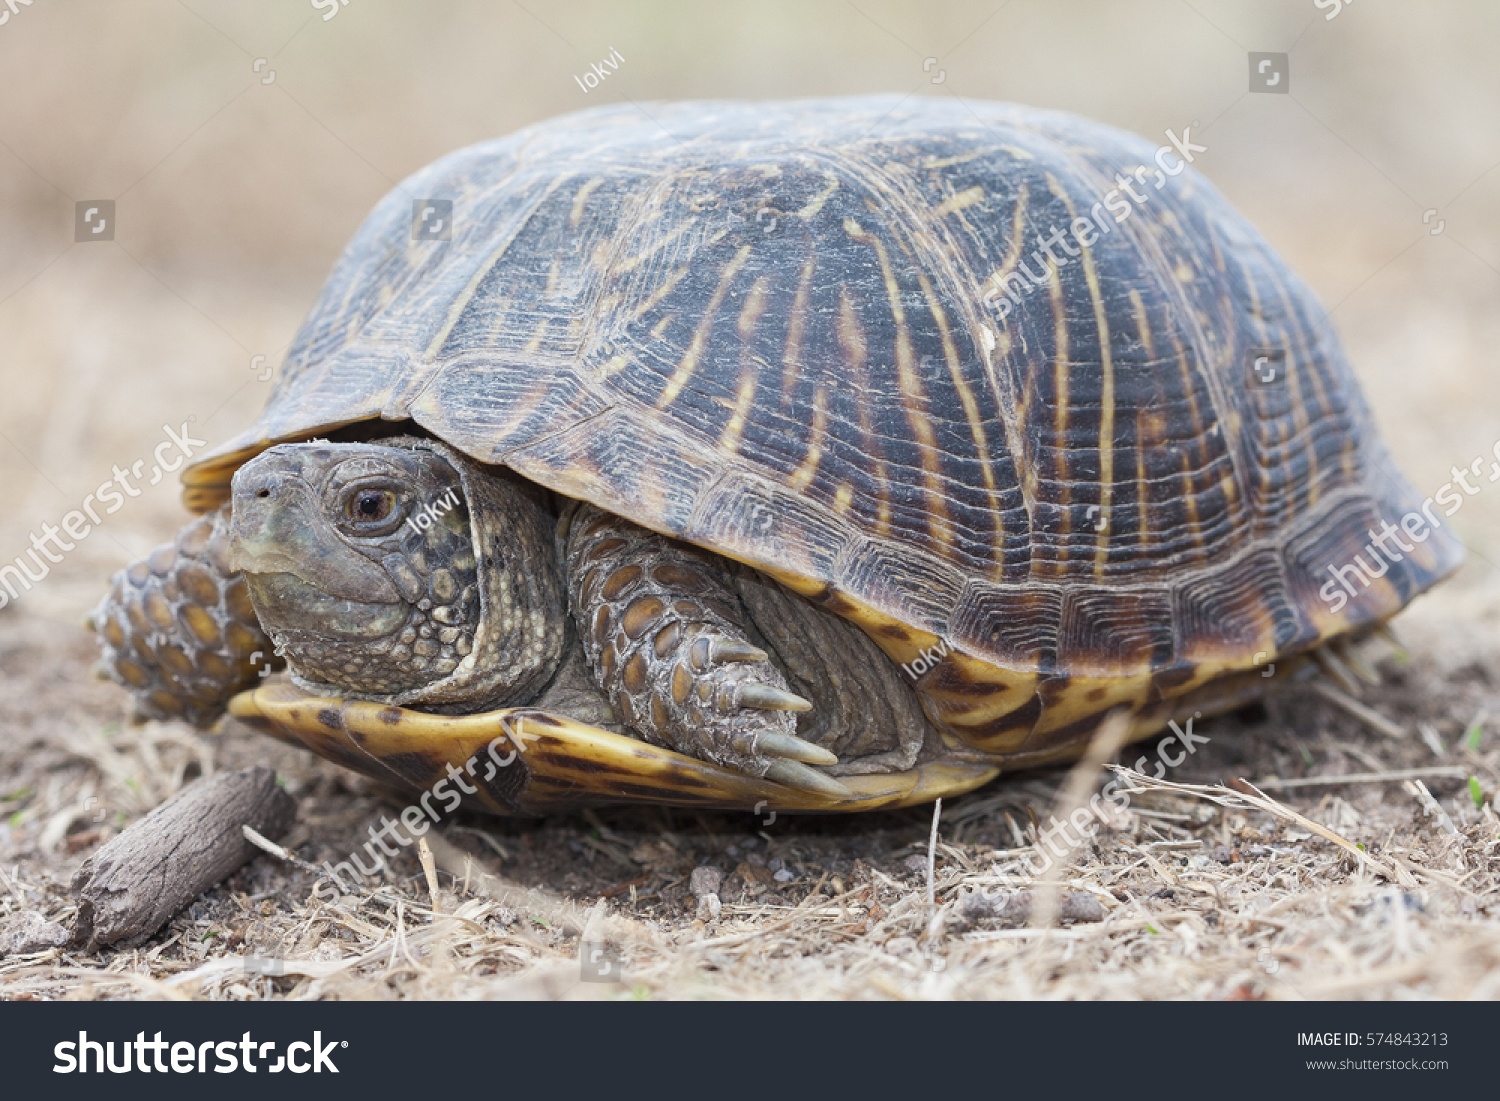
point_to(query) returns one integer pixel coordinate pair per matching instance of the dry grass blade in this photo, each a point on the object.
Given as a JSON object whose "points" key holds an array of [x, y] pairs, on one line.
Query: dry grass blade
{"points": [[937, 813], [1431, 806], [429, 871]]}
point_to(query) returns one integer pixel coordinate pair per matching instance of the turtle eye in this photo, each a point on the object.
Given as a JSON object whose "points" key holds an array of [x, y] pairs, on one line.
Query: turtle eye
{"points": [[372, 505], [366, 508]]}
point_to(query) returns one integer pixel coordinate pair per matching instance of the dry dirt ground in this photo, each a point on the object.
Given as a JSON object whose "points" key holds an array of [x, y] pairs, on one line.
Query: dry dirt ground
{"points": [[1185, 894]]}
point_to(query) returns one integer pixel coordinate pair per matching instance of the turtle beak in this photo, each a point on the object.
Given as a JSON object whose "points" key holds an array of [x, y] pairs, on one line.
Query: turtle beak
{"points": [[277, 526]]}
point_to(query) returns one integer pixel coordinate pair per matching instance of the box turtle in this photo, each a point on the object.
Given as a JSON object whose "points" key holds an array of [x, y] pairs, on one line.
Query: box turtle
{"points": [[820, 455]]}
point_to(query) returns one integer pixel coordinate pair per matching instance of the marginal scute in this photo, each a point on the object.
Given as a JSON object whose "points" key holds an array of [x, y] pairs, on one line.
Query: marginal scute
{"points": [[1115, 633], [1243, 611], [1020, 622]]}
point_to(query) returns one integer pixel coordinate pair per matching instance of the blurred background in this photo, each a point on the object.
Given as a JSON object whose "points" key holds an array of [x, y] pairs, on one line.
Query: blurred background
{"points": [[242, 143]]}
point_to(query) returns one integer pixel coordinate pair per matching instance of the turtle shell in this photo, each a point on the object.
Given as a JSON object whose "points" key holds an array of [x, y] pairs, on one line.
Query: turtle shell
{"points": [[824, 338]]}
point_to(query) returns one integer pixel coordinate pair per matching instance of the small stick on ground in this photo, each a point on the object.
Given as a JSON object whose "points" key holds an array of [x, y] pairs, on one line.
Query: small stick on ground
{"points": [[135, 884], [266, 844]]}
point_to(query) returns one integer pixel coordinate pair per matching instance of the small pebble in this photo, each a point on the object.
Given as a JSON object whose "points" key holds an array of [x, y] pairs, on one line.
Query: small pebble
{"points": [[29, 932], [756, 878], [776, 863], [709, 907], [916, 864], [705, 881], [1013, 910], [784, 876], [733, 850]]}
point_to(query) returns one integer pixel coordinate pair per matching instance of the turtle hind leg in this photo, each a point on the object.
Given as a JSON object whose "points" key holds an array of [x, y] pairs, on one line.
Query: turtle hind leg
{"points": [[177, 628], [664, 635]]}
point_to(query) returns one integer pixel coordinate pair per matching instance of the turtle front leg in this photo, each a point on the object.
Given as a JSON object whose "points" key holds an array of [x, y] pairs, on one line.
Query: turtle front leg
{"points": [[665, 636], [177, 628]]}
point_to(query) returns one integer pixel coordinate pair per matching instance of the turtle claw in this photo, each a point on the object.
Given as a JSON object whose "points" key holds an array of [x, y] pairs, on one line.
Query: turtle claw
{"points": [[767, 698], [733, 649], [774, 744], [794, 774], [710, 650]]}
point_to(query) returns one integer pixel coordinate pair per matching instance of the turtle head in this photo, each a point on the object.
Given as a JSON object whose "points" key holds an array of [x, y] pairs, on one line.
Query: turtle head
{"points": [[360, 562]]}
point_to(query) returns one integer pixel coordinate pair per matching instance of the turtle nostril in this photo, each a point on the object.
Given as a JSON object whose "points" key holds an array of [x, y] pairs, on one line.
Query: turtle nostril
{"points": [[263, 493]]}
